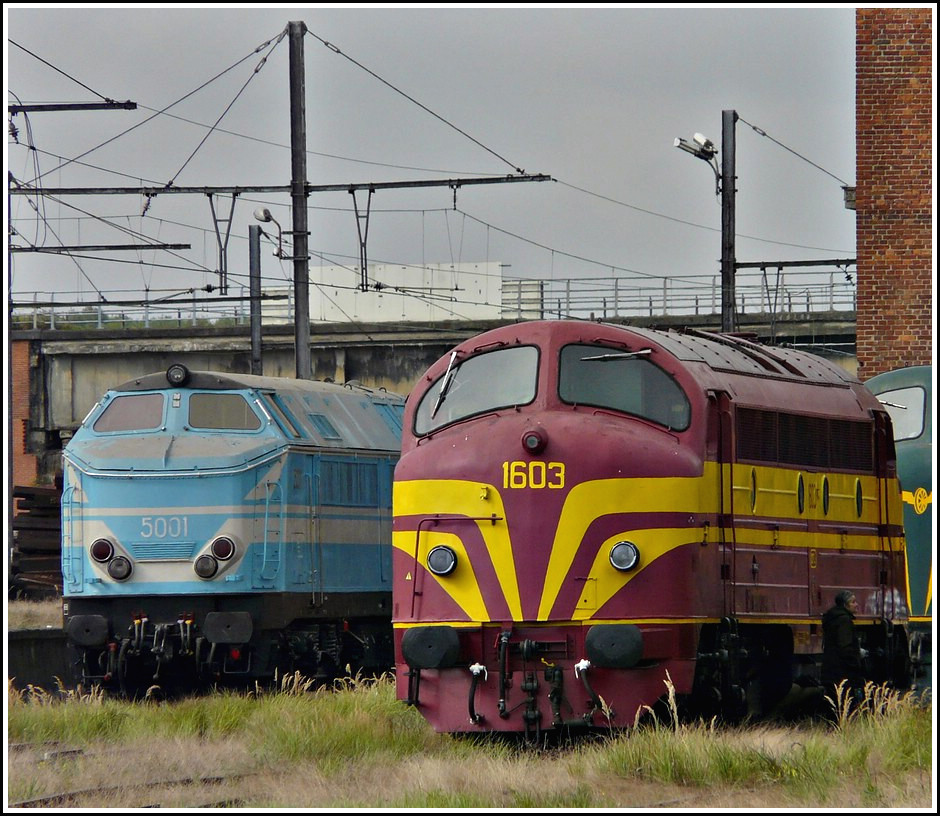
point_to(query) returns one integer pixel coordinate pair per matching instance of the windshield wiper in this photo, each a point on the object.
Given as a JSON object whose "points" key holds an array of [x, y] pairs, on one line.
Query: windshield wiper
{"points": [[445, 384], [619, 355]]}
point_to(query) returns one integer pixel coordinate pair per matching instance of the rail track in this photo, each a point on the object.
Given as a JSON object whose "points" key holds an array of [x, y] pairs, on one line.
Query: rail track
{"points": [[149, 794]]}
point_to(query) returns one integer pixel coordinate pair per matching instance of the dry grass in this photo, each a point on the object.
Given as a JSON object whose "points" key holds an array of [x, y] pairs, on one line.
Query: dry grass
{"points": [[481, 781], [34, 614], [295, 747]]}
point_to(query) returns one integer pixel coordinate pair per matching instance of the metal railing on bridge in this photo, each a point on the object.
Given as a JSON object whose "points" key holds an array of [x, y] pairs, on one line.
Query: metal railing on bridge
{"points": [[616, 297], [757, 293]]}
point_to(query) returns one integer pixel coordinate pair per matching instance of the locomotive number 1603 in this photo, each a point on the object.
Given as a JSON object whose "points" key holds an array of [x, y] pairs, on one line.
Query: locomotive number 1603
{"points": [[534, 474]]}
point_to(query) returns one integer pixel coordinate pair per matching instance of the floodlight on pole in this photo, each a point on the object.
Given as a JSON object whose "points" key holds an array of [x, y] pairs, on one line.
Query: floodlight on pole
{"points": [[704, 149], [264, 214]]}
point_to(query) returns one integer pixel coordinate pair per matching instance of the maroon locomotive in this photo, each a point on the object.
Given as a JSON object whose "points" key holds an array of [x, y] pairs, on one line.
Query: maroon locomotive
{"points": [[585, 513]]}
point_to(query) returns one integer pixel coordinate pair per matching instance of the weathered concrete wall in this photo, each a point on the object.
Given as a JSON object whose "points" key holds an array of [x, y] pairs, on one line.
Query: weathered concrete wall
{"points": [[60, 375], [64, 373], [76, 373]]}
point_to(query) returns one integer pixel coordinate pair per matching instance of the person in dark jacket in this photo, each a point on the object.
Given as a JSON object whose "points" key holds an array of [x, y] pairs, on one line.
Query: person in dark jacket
{"points": [[842, 656]]}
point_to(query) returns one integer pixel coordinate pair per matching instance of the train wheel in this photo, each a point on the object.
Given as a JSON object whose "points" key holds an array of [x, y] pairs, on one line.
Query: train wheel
{"points": [[902, 670], [769, 668]]}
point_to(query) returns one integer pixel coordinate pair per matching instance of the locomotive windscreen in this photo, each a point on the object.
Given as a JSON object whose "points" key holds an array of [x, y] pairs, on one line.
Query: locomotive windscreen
{"points": [[132, 412], [602, 377], [222, 411], [906, 407], [497, 379]]}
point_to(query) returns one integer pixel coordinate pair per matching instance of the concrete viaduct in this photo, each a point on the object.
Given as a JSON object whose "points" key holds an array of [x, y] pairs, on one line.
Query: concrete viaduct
{"points": [[58, 376]]}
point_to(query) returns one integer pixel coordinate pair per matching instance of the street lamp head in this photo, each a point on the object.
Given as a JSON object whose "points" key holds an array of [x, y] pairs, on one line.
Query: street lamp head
{"points": [[705, 150], [704, 143], [264, 214], [698, 150]]}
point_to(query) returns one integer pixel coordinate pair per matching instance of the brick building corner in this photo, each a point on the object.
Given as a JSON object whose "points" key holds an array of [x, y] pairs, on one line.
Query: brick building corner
{"points": [[894, 211]]}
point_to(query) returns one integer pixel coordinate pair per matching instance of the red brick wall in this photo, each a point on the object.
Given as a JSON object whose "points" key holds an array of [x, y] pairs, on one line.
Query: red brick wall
{"points": [[24, 464], [894, 135]]}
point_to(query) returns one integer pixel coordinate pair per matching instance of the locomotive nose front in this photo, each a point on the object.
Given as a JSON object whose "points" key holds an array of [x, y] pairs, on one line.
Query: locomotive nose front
{"points": [[523, 477]]}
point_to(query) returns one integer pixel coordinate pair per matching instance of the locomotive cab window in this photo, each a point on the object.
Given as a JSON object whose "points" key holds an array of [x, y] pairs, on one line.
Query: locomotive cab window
{"points": [[485, 382], [605, 377], [222, 411], [131, 412], [906, 408]]}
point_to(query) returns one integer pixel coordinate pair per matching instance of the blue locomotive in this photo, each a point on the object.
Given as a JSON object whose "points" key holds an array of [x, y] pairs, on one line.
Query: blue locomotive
{"points": [[219, 528], [907, 393]]}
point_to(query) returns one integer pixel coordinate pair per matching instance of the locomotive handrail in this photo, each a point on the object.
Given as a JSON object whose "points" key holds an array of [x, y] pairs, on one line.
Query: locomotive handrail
{"points": [[726, 513], [313, 491], [264, 410], [172, 474], [493, 518], [884, 524], [271, 488], [67, 536]]}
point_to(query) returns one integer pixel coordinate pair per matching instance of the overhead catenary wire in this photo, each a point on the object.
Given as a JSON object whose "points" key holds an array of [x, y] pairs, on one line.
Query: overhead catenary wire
{"points": [[162, 110], [761, 132], [336, 50], [83, 273], [140, 262], [119, 228], [565, 184], [254, 73], [576, 187], [34, 157], [270, 143], [66, 75], [488, 226], [605, 264], [692, 223]]}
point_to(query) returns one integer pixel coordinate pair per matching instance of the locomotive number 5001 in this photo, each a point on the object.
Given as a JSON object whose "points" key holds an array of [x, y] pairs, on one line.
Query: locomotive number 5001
{"points": [[164, 527]]}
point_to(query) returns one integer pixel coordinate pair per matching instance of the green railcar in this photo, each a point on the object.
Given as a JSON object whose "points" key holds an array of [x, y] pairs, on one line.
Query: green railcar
{"points": [[907, 393]]}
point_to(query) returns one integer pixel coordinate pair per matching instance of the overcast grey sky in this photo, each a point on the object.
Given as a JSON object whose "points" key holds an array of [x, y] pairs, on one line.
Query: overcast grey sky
{"points": [[593, 97]]}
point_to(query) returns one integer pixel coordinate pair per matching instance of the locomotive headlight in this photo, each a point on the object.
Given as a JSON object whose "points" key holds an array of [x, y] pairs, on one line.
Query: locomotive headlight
{"points": [[534, 441], [177, 374], [624, 556], [442, 560], [119, 568], [223, 548], [206, 566], [101, 550]]}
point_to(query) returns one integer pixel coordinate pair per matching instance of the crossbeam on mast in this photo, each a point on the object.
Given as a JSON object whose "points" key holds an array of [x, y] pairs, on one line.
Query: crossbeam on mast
{"points": [[272, 188]]}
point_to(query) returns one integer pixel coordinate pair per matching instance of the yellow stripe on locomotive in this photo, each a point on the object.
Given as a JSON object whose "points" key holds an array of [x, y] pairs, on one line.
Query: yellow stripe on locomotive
{"points": [[768, 499]]}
